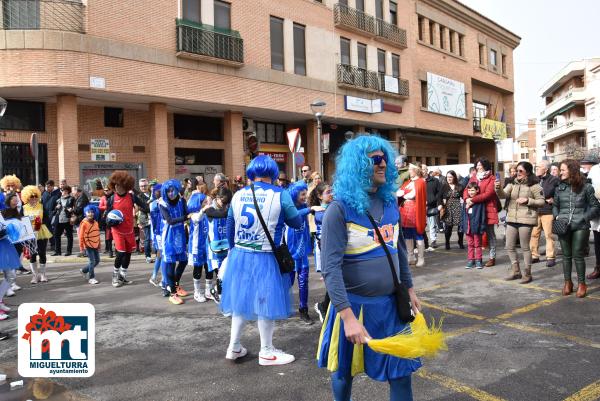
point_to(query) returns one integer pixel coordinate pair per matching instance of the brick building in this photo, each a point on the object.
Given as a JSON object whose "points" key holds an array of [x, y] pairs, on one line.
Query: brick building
{"points": [[174, 88]]}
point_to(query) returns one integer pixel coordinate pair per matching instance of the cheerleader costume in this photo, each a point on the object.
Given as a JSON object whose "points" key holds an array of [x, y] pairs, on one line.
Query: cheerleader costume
{"points": [[298, 241], [317, 246], [197, 249], [173, 236], [217, 245], [156, 229], [9, 258], [42, 234]]}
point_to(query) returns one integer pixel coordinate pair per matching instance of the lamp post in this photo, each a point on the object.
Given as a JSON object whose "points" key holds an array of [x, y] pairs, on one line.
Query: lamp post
{"points": [[544, 147], [3, 104], [318, 109]]}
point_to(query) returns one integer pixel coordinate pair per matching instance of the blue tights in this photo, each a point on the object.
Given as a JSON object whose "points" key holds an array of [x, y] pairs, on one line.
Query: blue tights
{"points": [[400, 389], [302, 272]]}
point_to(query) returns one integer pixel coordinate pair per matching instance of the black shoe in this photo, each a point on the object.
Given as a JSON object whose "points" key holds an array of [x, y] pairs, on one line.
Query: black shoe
{"points": [[23, 271], [535, 260], [81, 255], [4, 336], [550, 263], [304, 316], [447, 246], [166, 293], [56, 254], [111, 254], [68, 254], [461, 246]]}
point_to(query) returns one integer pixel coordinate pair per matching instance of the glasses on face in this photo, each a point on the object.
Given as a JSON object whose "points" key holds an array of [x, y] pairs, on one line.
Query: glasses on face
{"points": [[377, 159], [520, 170]]}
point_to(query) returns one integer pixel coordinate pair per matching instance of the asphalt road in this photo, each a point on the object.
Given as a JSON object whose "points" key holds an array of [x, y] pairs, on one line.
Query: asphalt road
{"points": [[506, 341]]}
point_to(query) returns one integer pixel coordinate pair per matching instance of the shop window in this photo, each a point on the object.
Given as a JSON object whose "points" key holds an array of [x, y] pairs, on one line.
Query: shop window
{"points": [[452, 159], [277, 44], [191, 10], [424, 94], [205, 157], [270, 133], [299, 50], [24, 116], [222, 15], [198, 127], [113, 117]]}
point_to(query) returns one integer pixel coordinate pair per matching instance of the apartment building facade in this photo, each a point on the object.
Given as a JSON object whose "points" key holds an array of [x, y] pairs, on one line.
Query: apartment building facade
{"points": [[187, 87], [570, 120], [525, 148]]}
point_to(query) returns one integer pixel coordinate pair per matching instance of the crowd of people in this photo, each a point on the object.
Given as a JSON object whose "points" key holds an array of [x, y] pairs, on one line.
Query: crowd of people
{"points": [[249, 242]]}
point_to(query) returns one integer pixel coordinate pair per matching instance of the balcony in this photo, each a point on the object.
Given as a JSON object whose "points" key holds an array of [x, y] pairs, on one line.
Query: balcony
{"points": [[571, 98], [207, 43], [352, 77], [57, 15], [390, 34], [571, 127], [353, 20]]}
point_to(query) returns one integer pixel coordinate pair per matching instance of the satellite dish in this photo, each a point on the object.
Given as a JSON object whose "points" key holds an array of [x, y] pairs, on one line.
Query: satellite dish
{"points": [[3, 104]]}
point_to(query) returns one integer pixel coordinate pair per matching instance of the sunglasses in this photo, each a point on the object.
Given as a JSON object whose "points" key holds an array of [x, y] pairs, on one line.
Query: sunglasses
{"points": [[377, 159]]}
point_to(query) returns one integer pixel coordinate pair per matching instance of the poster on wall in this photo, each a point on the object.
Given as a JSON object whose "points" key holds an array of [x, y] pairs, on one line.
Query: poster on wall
{"points": [[100, 150], [90, 173], [492, 129], [445, 96]]}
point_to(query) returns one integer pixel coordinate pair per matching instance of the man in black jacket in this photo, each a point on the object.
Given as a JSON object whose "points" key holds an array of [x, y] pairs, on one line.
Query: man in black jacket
{"points": [[434, 193], [81, 201], [545, 217], [49, 198]]}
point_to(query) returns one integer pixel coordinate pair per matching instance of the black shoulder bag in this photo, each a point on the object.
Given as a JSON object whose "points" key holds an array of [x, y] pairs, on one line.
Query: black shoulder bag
{"points": [[282, 253], [403, 304], [561, 226]]}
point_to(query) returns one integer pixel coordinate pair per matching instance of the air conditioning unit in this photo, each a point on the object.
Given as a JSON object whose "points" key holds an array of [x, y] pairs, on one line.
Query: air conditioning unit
{"points": [[248, 125]]}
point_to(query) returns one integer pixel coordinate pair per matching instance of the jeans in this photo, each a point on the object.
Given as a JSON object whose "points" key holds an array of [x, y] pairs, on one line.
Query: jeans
{"points": [[400, 389], [523, 232], [573, 244], [544, 223], [148, 241], [432, 222], [94, 260], [491, 234]]}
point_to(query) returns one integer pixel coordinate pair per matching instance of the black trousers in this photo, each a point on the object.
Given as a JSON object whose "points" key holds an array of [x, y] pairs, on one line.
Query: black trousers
{"points": [[67, 228]]}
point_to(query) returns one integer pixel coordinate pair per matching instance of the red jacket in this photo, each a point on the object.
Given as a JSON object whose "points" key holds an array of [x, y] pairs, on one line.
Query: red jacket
{"points": [[487, 195]]}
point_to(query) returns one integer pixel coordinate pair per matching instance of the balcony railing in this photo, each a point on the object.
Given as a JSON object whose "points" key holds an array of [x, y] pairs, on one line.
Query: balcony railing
{"points": [[557, 131], [369, 81], [353, 19], [402, 84], [210, 43], [390, 33], [59, 15], [476, 124]]}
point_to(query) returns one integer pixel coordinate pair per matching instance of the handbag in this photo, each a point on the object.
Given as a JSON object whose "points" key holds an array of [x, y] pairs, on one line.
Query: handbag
{"points": [[403, 304], [281, 252], [432, 211], [561, 226]]}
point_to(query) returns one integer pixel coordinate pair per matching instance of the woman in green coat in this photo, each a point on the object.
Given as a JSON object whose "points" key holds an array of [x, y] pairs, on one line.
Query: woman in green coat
{"points": [[576, 203]]}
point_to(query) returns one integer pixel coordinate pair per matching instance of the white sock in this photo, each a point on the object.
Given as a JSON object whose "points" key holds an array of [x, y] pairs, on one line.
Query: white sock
{"points": [[237, 324], [197, 286], [123, 273], [208, 285], [266, 328]]}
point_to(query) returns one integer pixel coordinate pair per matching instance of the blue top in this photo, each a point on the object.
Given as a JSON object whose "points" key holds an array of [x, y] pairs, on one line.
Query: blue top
{"points": [[197, 241], [173, 229], [474, 220], [155, 218], [298, 239]]}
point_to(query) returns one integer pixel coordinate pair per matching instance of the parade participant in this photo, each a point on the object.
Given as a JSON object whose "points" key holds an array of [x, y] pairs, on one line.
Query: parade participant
{"points": [[156, 228], [413, 210], [9, 262], [34, 209], [217, 244], [173, 211], [11, 183], [473, 224], [357, 273], [298, 241], [197, 246], [89, 240], [253, 286], [12, 211], [122, 200], [108, 245]]}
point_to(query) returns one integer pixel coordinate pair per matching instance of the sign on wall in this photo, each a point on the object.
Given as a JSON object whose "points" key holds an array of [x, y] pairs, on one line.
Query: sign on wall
{"points": [[391, 84], [100, 150], [492, 129], [279, 157], [445, 96], [363, 105]]}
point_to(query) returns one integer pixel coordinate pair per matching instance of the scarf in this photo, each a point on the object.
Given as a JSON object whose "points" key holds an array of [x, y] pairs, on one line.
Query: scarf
{"points": [[485, 174]]}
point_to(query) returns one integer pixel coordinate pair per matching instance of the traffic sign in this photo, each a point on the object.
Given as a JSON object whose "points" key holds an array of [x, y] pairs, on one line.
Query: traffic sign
{"points": [[294, 141], [33, 146]]}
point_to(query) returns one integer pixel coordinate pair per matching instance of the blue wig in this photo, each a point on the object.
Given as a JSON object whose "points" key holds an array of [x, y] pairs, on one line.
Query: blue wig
{"points": [[296, 188], [94, 209], [167, 186], [194, 204], [262, 166], [155, 187], [354, 172]]}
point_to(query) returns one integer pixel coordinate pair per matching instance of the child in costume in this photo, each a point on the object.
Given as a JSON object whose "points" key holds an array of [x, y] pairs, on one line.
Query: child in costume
{"points": [[174, 214], [33, 208], [156, 229], [123, 200], [298, 241], [197, 246], [474, 222], [12, 211], [12, 183], [217, 244], [89, 239], [9, 262]]}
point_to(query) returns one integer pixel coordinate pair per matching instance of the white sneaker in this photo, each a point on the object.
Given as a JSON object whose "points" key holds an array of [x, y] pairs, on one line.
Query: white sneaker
{"points": [[199, 297], [93, 281], [84, 275], [233, 355], [10, 293], [3, 316], [15, 287], [272, 356], [154, 282], [4, 308]]}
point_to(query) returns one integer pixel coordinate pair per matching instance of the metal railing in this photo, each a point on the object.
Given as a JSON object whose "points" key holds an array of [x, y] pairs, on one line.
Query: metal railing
{"points": [[357, 77], [209, 41], [352, 18], [476, 124], [59, 15], [390, 33], [403, 85]]}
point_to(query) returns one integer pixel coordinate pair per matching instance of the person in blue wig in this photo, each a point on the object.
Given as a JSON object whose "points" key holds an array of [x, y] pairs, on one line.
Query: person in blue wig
{"points": [[357, 273], [173, 211], [197, 246], [156, 229], [298, 241], [253, 286]]}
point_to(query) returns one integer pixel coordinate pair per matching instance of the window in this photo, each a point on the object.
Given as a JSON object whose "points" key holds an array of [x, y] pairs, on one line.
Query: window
{"points": [[504, 71], [211, 157], [424, 94], [493, 56], [452, 33], [379, 9], [479, 112], [299, 50], [191, 10], [461, 45], [344, 2], [394, 13], [270, 133], [381, 61], [421, 27], [362, 56], [431, 30], [277, 44], [442, 37], [198, 127], [481, 54], [396, 65], [113, 117], [222, 14], [24, 116], [360, 5], [19, 14], [345, 51]]}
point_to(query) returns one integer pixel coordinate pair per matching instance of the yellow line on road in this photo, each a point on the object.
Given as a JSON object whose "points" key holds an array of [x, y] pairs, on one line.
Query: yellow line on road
{"points": [[457, 386], [589, 393], [453, 311], [464, 330], [537, 287], [529, 308], [438, 286], [551, 333]]}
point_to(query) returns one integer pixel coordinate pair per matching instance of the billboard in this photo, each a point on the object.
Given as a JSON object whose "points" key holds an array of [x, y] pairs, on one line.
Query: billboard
{"points": [[445, 96]]}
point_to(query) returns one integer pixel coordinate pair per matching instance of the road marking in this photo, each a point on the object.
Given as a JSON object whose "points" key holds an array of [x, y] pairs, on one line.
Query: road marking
{"points": [[438, 286], [529, 308], [457, 386], [589, 393], [537, 287], [551, 333], [464, 330], [453, 311]]}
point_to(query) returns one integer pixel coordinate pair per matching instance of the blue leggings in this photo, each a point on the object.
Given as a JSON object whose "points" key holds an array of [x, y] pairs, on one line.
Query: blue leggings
{"points": [[400, 389], [302, 271], [157, 266], [173, 275]]}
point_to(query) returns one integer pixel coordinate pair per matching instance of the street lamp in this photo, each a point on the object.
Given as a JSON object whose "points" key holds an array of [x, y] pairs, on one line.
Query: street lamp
{"points": [[544, 147], [3, 104], [318, 109]]}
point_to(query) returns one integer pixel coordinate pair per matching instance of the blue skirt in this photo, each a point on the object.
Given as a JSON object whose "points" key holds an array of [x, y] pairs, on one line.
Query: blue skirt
{"points": [[411, 233], [380, 319], [9, 258], [254, 288]]}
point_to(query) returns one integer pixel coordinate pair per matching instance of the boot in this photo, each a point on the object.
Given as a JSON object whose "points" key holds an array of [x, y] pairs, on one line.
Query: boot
{"points": [[208, 288], [199, 291], [34, 272], [43, 278], [516, 272], [460, 240], [421, 255], [447, 235], [491, 262], [410, 251], [581, 290], [595, 274], [567, 288], [527, 276]]}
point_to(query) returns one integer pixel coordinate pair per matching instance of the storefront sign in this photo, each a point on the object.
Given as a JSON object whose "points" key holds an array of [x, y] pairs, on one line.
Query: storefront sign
{"points": [[492, 129], [445, 96], [279, 157], [363, 105], [392, 108], [325, 143], [391, 84], [100, 149]]}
